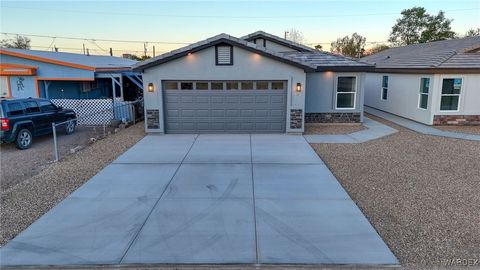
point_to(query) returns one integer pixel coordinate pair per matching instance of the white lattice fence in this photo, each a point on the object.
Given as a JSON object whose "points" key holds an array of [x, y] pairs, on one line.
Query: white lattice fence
{"points": [[89, 111]]}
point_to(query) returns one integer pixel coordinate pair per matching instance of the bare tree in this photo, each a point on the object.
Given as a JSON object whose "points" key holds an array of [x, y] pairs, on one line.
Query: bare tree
{"points": [[19, 42], [294, 35]]}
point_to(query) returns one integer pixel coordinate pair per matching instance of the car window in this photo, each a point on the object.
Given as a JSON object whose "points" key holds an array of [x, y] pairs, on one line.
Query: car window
{"points": [[31, 107], [15, 108], [47, 106]]}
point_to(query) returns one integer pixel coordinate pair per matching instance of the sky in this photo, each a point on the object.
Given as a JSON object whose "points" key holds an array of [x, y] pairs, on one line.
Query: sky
{"points": [[173, 24]]}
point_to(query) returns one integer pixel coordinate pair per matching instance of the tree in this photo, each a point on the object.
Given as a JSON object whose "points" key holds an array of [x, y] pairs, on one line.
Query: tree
{"points": [[19, 42], [417, 26], [294, 35], [376, 49], [438, 28], [349, 46], [473, 33], [318, 47], [135, 57]]}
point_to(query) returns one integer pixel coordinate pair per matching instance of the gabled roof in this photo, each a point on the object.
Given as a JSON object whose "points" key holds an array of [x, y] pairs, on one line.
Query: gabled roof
{"points": [[309, 61], [279, 40], [446, 54], [80, 61], [223, 39]]}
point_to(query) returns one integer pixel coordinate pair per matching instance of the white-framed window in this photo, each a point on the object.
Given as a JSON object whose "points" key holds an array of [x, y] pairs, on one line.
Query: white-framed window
{"points": [[423, 93], [346, 92], [384, 94], [451, 90]]}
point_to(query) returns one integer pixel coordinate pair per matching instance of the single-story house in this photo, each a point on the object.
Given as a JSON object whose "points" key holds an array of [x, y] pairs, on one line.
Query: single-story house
{"points": [[59, 75], [258, 83], [436, 83]]}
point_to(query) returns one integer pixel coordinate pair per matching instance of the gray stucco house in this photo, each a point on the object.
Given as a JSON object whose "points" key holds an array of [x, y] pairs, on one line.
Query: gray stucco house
{"points": [[436, 83], [258, 83]]}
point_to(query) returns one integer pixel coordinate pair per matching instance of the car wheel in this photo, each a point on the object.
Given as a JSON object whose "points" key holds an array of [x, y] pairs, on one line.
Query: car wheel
{"points": [[70, 127], [24, 139]]}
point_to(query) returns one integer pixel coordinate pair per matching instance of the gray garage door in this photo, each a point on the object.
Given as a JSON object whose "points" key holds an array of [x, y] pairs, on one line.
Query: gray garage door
{"points": [[225, 106]]}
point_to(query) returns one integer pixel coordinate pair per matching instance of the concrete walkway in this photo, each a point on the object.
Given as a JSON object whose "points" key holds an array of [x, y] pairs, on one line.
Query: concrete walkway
{"points": [[207, 199], [374, 130], [419, 127]]}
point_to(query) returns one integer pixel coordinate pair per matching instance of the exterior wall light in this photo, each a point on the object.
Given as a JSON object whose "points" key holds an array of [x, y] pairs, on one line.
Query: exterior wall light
{"points": [[150, 87], [298, 88]]}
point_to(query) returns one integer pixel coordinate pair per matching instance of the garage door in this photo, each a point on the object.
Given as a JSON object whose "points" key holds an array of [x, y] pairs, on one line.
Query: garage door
{"points": [[225, 106]]}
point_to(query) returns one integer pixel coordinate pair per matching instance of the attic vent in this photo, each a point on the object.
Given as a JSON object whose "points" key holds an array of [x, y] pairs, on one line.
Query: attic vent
{"points": [[223, 55]]}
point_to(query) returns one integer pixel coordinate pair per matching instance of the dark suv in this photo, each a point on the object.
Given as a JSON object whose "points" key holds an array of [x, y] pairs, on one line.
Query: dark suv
{"points": [[21, 119]]}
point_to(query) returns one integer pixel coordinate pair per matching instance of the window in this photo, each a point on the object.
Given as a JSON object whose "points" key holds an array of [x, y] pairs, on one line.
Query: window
{"points": [[423, 95], [450, 94], [262, 85], [232, 85], [15, 109], [47, 106], [217, 85], [223, 55], [247, 85], [346, 92], [186, 86], [89, 86], [278, 86], [171, 86], [31, 107], [384, 87], [201, 85]]}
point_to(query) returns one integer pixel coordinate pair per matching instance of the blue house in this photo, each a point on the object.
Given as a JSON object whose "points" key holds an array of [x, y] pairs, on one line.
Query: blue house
{"points": [[58, 75]]}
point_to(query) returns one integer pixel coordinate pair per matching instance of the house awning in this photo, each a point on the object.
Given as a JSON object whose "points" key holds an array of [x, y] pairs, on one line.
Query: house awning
{"points": [[17, 70]]}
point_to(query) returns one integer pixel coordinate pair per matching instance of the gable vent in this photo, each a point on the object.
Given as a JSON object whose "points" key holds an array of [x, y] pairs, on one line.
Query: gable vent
{"points": [[224, 55]]}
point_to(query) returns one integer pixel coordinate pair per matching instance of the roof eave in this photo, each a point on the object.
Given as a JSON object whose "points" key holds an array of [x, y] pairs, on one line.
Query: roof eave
{"points": [[405, 70], [346, 68]]}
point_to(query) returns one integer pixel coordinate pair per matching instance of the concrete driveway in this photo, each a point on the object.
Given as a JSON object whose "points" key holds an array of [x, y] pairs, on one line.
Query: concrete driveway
{"points": [[218, 199]]}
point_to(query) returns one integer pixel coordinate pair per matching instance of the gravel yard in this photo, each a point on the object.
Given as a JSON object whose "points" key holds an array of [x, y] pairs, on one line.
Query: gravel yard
{"points": [[463, 129], [25, 202], [420, 192], [315, 128], [19, 165]]}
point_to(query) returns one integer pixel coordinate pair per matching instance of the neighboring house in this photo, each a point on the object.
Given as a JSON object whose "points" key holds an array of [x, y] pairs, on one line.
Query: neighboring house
{"points": [[259, 83], [436, 83], [58, 75]]}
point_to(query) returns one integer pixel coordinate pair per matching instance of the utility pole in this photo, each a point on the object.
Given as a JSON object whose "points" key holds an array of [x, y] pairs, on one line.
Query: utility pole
{"points": [[286, 33], [145, 49], [83, 48], [111, 52], [88, 52], [153, 50]]}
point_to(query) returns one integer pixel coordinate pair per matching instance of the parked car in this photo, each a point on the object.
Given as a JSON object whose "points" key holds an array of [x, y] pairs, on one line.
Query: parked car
{"points": [[23, 119]]}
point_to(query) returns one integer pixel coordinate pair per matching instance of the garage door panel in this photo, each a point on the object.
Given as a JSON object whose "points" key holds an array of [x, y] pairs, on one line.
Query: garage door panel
{"points": [[261, 99], [220, 111], [203, 113]]}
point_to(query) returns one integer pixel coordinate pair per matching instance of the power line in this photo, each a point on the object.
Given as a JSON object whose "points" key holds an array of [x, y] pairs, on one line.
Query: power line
{"points": [[220, 16], [96, 39], [92, 40]]}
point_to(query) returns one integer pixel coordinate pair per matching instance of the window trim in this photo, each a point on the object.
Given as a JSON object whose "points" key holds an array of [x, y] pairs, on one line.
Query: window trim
{"points": [[231, 54], [382, 88], [451, 95], [354, 93], [420, 93]]}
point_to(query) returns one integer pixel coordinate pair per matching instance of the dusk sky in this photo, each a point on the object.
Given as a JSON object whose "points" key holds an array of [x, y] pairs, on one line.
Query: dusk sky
{"points": [[178, 22]]}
